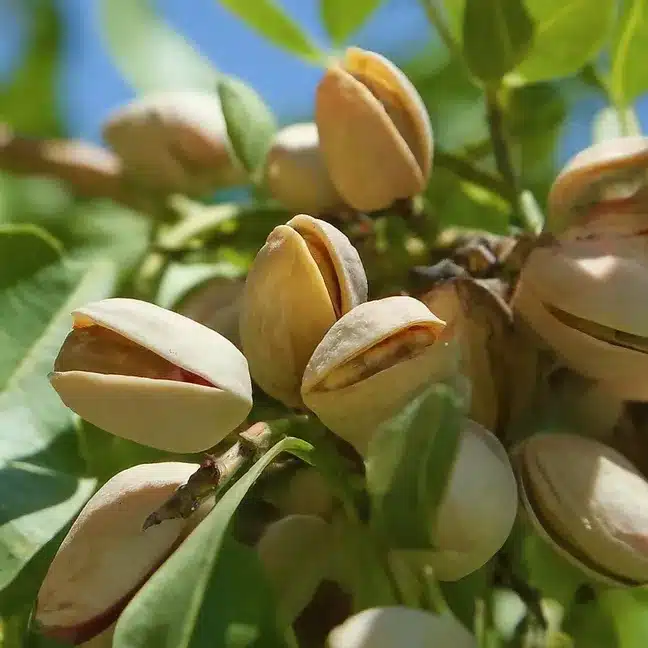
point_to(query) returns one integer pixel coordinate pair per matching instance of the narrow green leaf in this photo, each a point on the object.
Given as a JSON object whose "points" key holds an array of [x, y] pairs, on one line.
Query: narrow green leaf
{"points": [[343, 18], [497, 35], [568, 34], [410, 460], [269, 20], [39, 459], [211, 591], [250, 124], [628, 79], [148, 52]]}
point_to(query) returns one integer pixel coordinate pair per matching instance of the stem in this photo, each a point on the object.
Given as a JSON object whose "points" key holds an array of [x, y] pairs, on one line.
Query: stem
{"points": [[437, 20]]}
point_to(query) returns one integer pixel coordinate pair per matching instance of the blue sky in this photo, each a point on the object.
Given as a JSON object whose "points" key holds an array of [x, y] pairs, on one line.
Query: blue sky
{"points": [[91, 87]]}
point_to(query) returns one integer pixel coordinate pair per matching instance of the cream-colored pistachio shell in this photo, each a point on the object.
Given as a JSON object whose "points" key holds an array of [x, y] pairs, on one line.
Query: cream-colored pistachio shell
{"points": [[597, 282], [400, 627], [295, 553], [589, 502], [374, 131], [304, 277], [295, 173], [106, 556], [584, 179], [379, 355], [175, 141], [478, 509], [174, 415]]}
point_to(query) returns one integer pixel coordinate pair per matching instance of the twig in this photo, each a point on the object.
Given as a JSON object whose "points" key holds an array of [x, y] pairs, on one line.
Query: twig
{"points": [[214, 473], [433, 13]]}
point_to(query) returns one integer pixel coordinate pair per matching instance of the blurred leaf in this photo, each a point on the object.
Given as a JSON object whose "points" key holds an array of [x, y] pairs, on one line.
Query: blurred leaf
{"points": [[343, 18], [629, 612], [497, 35], [590, 626], [211, 591], [610, 123], [269, 20], [250, 124], [27, 101], [149, 53], [409, 460], [628, 79], [39, 458], [568, 34]]}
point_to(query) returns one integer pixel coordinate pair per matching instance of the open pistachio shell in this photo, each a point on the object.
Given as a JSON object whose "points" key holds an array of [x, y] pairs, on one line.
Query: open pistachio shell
{"points": [[477, 511], [295, 172], [305, 277], [397, 627], [589, 503], [371, 362], [374, 131], [103, 640], [582, 299], [106, 556], [295, 553], [611, 176], [175, 141], [150, 375]]}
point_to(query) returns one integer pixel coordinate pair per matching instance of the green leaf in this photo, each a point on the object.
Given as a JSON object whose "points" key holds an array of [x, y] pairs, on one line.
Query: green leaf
{"points": [[629, 612], [39, 459], [628, 79], [269, 20], [568, 34], [148, 52], [342, 18], [211, 591], [410, 460], [250, 124], [496, 37]]}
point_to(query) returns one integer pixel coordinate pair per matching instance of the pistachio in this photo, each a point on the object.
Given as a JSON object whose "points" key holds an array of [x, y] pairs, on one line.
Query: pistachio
{"points": [[608, 179], [295, 173], [103, 640], [305, 277], [580, 297], [477, 511], [371, 363], [175, 142], [107, 556], [374, 130], [305, 493], [295, 554], [393, 627], [147, 374], [589, 503]]}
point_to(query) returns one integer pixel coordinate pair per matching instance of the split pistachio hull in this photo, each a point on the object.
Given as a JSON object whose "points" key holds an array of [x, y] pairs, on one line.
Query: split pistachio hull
{"points": [[371, 363], [374, 131], [303, 279], [295, 552], [106, 556], [477, 511], [150, 375], [397, 627], [589, 503], [295, 172], [175, 142], [583, 299]]}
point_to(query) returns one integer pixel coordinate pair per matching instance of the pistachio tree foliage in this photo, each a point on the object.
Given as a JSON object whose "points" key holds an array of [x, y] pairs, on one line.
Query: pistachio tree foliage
{"points": [[393, 395]]}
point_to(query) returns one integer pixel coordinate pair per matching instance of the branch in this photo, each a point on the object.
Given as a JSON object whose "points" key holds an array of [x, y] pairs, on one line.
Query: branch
{"points": [[91, 171]]}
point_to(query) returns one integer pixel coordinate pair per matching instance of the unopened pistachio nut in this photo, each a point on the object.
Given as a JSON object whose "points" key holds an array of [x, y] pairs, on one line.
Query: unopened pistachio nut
{"points": [[306, 492], [397, 627], [150, 375], [478, 509], [589, 503], [106, 556], [374, 131], [607, 179], [303, 279], [295, 553], [295, 172], [583, 298], [371, 363], [175, 142]]}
